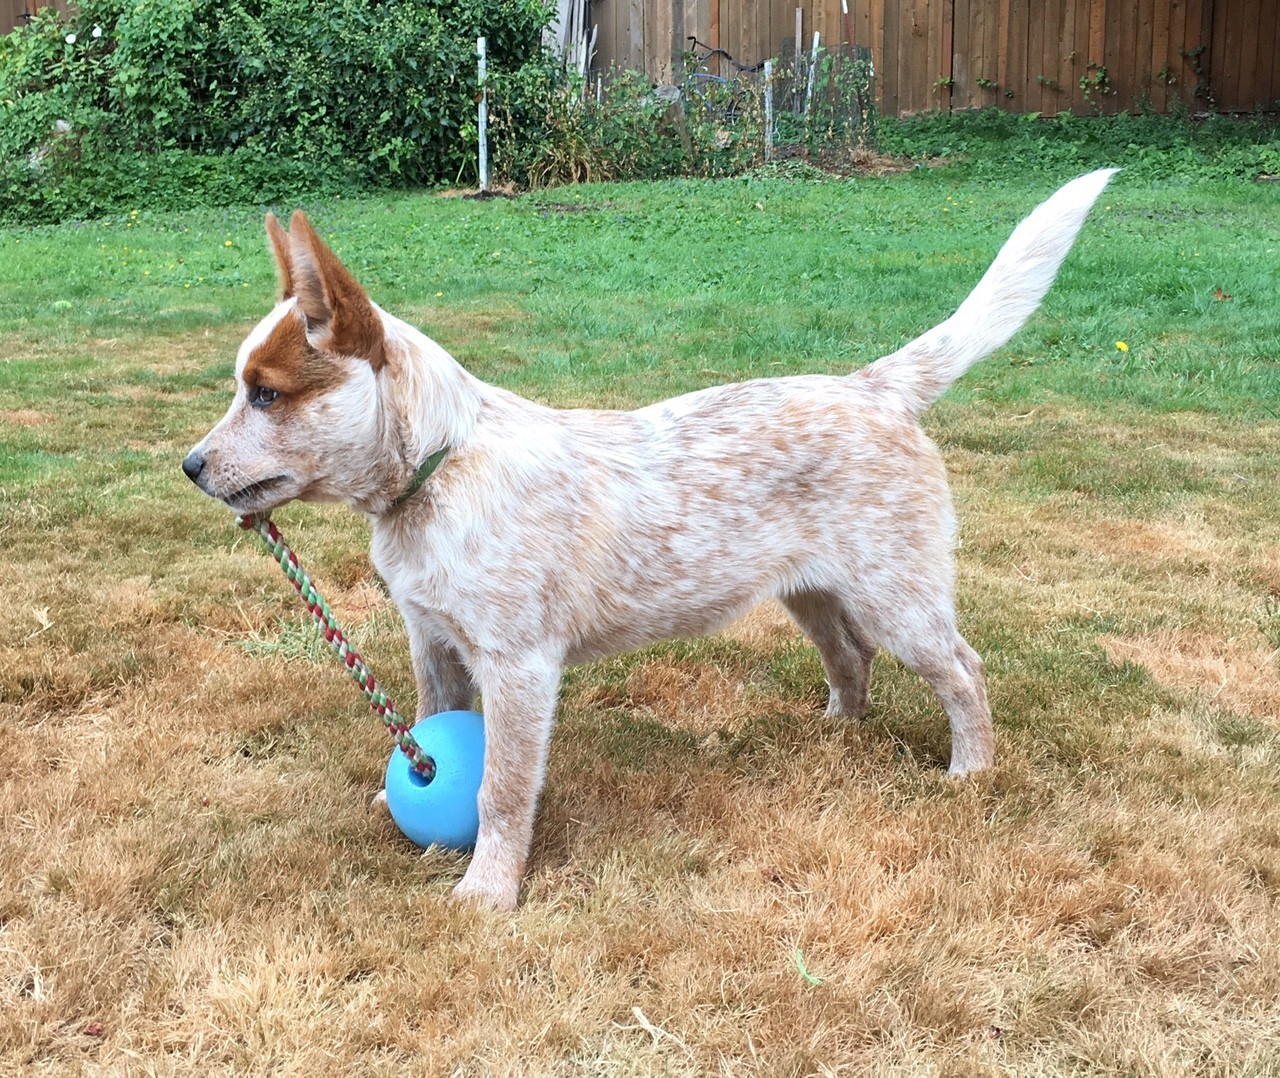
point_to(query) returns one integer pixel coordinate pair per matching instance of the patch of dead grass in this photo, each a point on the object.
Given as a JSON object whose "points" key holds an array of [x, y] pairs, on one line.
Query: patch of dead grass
{"points": [[24, 417], [1241, 675], [193, 881]]}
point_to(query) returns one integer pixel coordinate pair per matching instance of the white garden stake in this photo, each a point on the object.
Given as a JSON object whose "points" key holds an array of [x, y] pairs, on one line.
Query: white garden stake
{"points": [[813, 68], [482, 122], [768, 110]]}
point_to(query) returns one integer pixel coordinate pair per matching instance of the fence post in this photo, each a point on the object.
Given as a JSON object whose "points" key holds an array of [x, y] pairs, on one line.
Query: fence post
{"points": [[482, 123], [768, 110]]}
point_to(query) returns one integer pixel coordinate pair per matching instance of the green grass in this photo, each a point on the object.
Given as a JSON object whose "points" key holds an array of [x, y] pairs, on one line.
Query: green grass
{"points": [[189, 860], [576, 289]]}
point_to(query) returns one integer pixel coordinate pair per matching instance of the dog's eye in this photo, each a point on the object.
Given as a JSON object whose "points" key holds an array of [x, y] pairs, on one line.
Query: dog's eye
{"points": [[262, 397]]}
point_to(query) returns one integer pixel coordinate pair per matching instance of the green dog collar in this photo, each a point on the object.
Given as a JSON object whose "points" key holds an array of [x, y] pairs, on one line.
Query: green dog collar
{"points": [[422, 475]]}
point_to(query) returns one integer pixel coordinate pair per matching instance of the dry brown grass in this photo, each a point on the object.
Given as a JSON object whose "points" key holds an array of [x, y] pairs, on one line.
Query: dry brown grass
{"points": [[724, 881]]}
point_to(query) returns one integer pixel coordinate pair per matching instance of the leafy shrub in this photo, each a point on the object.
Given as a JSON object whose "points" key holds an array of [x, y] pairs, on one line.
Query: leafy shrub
{"points": [[994, 143], [272, 91]]}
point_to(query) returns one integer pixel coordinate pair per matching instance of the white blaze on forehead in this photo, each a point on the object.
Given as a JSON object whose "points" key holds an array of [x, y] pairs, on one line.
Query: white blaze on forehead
{"points": [[259, 334]]}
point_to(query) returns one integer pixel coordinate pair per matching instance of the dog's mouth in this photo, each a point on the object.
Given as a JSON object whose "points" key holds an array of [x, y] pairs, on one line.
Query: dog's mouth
{"points": [[255, 495]]}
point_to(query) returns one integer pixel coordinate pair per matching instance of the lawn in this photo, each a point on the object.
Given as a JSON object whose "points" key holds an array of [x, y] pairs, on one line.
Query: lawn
{"points": [[723, 880]]}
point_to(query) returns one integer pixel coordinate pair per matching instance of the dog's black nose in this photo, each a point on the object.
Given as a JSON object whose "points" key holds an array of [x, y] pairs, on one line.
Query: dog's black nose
{"points": [[193, 465]]}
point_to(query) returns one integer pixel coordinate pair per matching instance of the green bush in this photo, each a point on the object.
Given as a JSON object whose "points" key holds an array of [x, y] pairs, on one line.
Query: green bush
{"points": [[259, 96]]}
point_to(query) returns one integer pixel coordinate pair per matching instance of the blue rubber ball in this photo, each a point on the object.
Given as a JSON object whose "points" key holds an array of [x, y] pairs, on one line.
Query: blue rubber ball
{"points": [[443, 811]]}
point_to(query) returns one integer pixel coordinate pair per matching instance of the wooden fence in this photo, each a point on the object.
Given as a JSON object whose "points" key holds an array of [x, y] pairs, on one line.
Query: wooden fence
{"points": [[1044, 56]]}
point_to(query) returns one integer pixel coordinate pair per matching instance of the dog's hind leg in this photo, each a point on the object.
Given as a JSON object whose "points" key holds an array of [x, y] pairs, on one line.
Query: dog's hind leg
{"points": [[927, 640], [846, 651], [444, 682]]}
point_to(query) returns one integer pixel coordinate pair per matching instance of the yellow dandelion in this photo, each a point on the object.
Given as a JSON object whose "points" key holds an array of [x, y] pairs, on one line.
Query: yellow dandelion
{"points": [[227, 243], [1122, 346], [439, 294]]}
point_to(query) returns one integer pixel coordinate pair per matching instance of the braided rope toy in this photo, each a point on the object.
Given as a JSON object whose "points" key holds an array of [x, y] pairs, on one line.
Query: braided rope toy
{"points": [[431, 794]]}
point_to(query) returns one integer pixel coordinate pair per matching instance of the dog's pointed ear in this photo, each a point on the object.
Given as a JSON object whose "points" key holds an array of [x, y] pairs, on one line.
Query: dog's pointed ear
{"points": [[336, 308], [284, 259]]}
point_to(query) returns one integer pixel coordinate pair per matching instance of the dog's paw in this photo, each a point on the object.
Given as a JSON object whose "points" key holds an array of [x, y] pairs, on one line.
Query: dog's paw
{"points": [[486, 890], [378, 800], [970, 765]]}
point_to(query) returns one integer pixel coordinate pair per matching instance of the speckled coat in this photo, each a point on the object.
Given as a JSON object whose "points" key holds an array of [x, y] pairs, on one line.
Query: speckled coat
{"points": [[551, 537]]}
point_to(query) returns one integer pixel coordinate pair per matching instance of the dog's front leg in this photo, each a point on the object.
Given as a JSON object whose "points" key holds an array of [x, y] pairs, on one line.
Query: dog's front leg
{"points": [[519, 708]]}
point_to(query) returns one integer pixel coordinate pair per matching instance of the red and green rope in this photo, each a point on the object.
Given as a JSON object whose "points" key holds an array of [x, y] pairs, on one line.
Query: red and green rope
{"points": [[423, 764]]}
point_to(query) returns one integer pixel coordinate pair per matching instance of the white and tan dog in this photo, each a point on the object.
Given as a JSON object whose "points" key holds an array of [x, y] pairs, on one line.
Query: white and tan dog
{"points": [[542, 537]]}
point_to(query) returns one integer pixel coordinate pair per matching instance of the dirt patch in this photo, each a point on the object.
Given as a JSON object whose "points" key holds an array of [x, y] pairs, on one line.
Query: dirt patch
{"points": [[564, 209], [845, 161], [502, 190], [1188, 541], [696, 696]]}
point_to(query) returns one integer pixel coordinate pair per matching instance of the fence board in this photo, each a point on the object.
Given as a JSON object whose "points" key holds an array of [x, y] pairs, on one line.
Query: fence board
{"points": [[1264, 65], [963, 48], [635, 55], [1221, 66], [887, 61], [1160, 57], [1062, 68], [1072, 98], [945, 61], [1275, 67], [1032, 97], [913, 79], [1183, 34], [1176, 85], [940, 51]]}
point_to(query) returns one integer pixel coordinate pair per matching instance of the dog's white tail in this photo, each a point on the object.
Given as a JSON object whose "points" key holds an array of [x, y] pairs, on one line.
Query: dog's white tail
{"points": [[1003, 300]]}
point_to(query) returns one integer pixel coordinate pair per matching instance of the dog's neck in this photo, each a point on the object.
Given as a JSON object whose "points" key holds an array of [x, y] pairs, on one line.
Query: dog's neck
{"points": [[424, 472], [431, 403]]}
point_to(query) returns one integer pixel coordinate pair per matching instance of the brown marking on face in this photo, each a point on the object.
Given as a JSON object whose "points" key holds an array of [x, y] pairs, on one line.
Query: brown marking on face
{"points": [[287, 363], [330, 298]]}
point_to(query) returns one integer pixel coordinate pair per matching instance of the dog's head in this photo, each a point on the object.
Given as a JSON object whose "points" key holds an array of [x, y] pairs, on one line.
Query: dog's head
{"points": [[335, 399], [305, 417]]}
